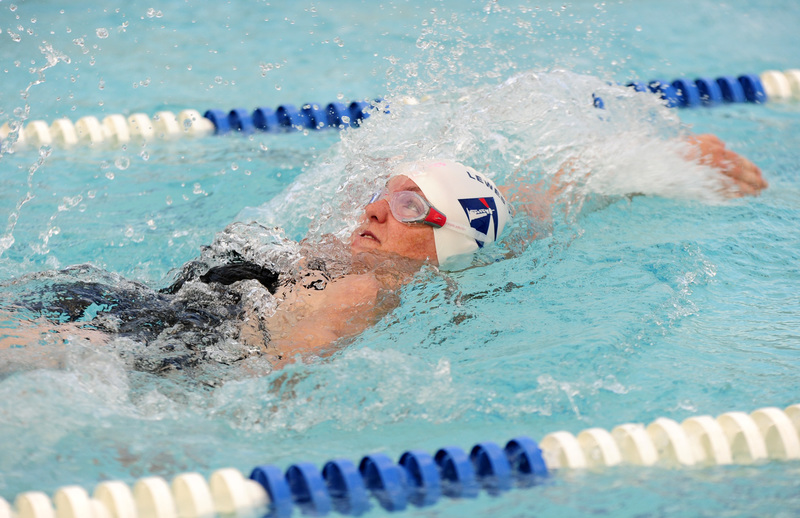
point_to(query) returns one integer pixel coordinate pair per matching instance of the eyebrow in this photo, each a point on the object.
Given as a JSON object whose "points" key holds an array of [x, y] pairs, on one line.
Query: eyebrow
{"points": [[413, 188]]}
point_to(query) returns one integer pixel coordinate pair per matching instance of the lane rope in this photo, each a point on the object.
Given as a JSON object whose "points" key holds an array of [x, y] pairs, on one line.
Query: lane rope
{"points": [[419, 479], [117, 129]]}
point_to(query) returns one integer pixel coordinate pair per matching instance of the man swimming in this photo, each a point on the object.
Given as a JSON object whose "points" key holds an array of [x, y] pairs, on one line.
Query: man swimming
{"points": [[433, 212]]}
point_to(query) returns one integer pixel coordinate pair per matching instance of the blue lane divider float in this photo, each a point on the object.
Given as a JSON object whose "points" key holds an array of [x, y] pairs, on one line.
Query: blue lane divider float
{"points": [[287, 117], [772, 85], [703, 91], [419, 479]]}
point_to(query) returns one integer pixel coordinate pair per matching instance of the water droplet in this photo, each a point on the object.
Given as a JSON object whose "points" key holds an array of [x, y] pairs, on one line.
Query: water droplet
{"points": [[102, 33], [110, 175], [122, 163], [145, 155], [638, 28], [234, 166], [218, 80]]}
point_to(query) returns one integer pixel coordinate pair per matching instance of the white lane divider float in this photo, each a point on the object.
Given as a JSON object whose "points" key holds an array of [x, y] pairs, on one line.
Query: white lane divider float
{"points": [[733, 437], [114, 129], [227, 494]]}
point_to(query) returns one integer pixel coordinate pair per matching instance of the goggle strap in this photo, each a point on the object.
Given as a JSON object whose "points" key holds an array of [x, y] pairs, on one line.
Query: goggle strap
{"points": [[435, 218], [468, 231]]}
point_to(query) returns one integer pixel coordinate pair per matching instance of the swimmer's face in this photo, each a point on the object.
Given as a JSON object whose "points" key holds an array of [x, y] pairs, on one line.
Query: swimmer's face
{"points": [[380, 232]]}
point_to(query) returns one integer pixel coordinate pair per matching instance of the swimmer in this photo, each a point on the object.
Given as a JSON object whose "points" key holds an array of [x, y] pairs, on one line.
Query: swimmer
{"points": [[401, 221], [436, 212]]}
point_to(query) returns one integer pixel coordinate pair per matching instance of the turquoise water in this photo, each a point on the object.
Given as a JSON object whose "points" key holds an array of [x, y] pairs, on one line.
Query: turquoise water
{"points": [[674, 304]]}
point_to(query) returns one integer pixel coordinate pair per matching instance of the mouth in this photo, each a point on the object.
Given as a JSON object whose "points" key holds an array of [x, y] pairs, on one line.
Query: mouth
{"points": [[369, 235], [363, 240]]}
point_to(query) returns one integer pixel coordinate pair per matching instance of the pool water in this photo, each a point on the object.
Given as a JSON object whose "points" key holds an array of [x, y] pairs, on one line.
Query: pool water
{"points": [[677, 303]]}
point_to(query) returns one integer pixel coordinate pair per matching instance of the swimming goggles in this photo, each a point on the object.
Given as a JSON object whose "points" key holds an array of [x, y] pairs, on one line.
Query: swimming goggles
{"points": [[409, 207]]}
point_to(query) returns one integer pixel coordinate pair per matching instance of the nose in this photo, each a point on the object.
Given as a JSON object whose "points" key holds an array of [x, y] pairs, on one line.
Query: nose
{"points": [[378, 210]]}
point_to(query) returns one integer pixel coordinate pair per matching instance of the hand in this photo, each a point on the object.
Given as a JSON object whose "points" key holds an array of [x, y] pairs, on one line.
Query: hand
{"points": [[710, 150]]}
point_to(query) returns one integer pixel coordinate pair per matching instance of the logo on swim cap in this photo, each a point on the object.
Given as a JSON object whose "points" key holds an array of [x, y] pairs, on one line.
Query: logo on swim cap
{"points": [[481, 212]]}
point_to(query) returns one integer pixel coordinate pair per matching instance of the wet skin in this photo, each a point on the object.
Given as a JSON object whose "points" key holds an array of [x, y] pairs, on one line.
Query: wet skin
{"points": [[381, 233]]}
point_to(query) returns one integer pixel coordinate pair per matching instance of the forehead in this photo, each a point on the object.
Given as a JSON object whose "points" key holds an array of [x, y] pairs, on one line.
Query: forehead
{"points": [[402, 183]]}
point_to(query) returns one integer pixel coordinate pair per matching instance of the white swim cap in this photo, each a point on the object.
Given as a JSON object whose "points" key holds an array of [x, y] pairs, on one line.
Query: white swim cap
{"points": [[468, 200]]}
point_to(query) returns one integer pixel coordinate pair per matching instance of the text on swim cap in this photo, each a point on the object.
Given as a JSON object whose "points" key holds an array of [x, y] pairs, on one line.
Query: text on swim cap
{"points": [[488, 184]]}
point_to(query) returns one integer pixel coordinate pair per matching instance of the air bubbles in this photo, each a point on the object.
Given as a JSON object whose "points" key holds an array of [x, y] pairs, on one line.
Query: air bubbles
{"points": [[145, 155], [234, 166], [144, 83], [152, 13], [12, 8], [638, 28], [101, 32], [110, 175]]}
